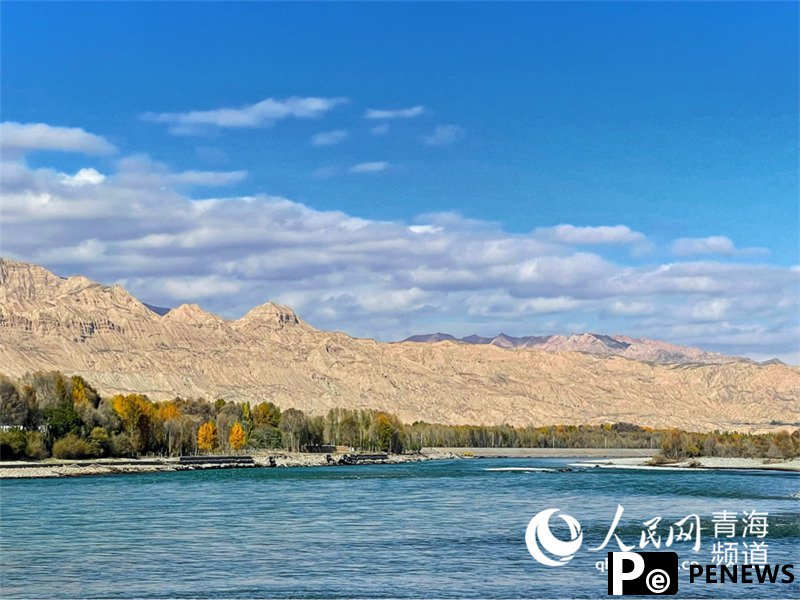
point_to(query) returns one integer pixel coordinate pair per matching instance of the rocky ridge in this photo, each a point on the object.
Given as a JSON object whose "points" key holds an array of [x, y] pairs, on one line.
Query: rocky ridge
{"points": [[106, 335]]}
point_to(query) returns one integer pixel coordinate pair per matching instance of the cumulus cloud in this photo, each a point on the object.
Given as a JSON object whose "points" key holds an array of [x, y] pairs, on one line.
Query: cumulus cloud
{"points": [[260, 114], [444, 135], [715, 244], [85, 176], [401, 113], [370, 167], [580, 236], [329, 138], [17, 139], [138, 225]]}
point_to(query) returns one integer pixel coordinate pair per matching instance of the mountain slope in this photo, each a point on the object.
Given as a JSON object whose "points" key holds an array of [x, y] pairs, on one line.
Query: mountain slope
{"points": [[119, 344], [593, 343]]}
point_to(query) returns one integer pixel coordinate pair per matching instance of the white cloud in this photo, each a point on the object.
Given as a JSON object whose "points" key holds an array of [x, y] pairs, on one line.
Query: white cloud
{"points": [[710, 310], [329, 138], [444, 135], [424, 229], [381, 129], [141, 171], [381, 278], [369, 167], [260, 114], [578, 236], [715, 244], [622, 307], [86, 176], [17, 139], [188, 288], [401, 113]]}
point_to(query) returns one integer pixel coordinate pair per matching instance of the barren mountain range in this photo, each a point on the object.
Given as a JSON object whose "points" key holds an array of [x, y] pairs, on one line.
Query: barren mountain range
{"points": [[593, 343], [121, 345]]}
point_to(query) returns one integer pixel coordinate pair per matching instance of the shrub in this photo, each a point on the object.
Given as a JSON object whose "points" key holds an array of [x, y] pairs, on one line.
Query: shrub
{"points": [[12, 444], [101, 441], [72, 446], [121, 445], [35, 447]]}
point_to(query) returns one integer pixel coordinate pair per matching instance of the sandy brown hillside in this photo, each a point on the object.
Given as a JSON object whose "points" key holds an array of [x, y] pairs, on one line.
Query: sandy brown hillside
{"points": [[112, 339]]}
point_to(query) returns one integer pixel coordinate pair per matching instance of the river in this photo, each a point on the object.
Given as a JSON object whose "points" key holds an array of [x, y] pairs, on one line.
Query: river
{"points": [[446, 529]]}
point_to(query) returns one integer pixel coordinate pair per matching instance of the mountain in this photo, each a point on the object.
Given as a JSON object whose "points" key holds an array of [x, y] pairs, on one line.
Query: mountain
{"points": [[120, 345], [598, 344]]}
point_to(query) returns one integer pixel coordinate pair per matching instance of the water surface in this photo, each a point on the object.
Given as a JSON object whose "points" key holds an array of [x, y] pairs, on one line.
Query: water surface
{"points": [[437, 529]]}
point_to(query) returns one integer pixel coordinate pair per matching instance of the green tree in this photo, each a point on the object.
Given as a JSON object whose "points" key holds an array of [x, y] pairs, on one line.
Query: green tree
{"points": [[62, 419], [268, 438], [266, 414], [101, 441]]}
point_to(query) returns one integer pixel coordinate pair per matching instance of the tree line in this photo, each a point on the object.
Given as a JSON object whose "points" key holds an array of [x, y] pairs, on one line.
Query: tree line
{"points": [[50, 414]]}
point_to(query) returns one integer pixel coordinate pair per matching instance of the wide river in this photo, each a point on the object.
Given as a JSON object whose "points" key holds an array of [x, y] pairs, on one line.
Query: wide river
{"points": [[443, 529]]}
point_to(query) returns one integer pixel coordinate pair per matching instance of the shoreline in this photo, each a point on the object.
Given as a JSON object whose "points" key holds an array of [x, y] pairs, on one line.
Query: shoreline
{"points": [[544, 452], [54, 469], [702, 463], [606, 458]]}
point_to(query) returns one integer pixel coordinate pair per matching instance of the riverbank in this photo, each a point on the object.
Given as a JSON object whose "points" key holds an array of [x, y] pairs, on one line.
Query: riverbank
{"points": [[703, 462], [53, 468], [643, 453]]}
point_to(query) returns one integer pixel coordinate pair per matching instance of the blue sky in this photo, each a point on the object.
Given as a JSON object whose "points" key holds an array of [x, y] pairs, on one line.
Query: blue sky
{"points": [[494, 122]]}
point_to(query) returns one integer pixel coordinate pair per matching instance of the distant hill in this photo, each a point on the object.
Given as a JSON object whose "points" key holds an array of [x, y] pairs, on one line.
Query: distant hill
{"points": [[103, 333], [159, 310], [594, 343]]}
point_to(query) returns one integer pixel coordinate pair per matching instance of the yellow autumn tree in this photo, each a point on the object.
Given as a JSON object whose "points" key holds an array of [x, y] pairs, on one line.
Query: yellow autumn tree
{"points": [[136, 414], [237, 438], [79, 395], [207, 436], [167, 411]]}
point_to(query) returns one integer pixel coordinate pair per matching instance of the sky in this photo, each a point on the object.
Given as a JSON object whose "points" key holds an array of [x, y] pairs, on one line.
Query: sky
{"points": [[394, 169]]}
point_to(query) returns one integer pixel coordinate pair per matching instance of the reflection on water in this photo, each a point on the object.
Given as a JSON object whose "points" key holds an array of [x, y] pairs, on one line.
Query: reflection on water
{"points": [[442, 529]]}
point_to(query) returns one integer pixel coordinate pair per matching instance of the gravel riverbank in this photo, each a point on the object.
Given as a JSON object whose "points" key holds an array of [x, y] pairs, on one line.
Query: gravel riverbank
{"points": [[78, 468]]}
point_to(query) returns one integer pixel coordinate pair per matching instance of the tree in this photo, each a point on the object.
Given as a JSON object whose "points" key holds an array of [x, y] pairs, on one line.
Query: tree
{"points": [[266, 413], [247, 415], [83, 393], [294, 425], [385, 431], [136, 413], [62, 419], [13, 408], [237, 438], [265, 437], [101, 441], [207, 436]]}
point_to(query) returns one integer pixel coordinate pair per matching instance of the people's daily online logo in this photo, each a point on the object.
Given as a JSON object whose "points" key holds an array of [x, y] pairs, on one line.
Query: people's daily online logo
{"points": [[738, 555], [547, 548]]}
